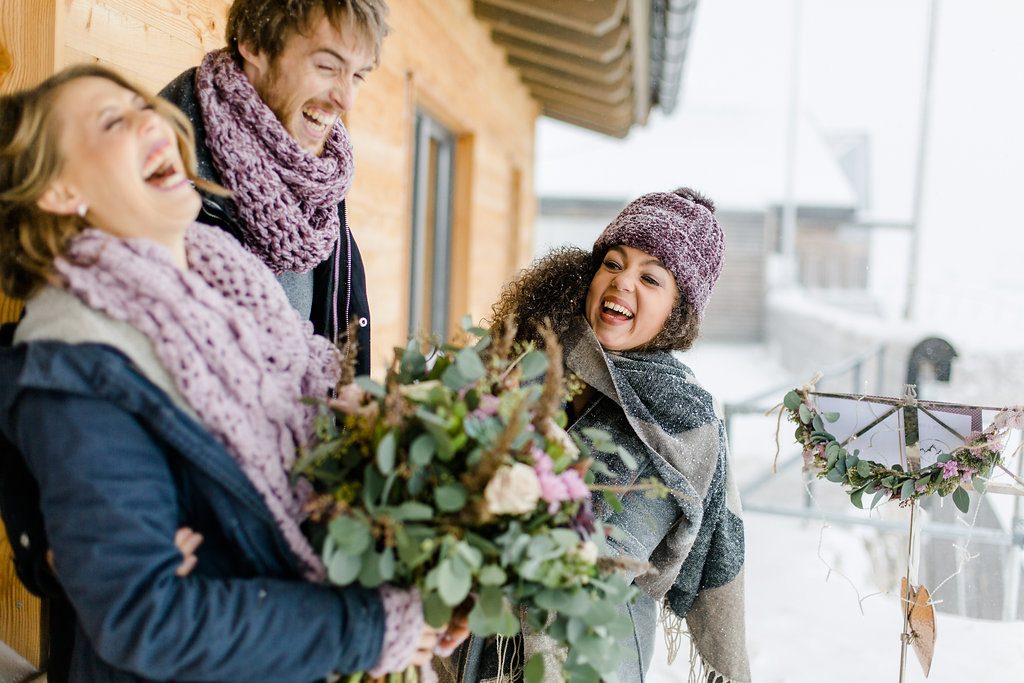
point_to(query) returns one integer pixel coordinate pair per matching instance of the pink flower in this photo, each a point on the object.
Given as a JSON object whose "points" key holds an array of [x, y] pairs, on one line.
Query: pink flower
{"points": [[920, 488], [574, 485], [949, 469], [488, 405], [542, 462], [968, 472], [556, 489], [553, 491]]}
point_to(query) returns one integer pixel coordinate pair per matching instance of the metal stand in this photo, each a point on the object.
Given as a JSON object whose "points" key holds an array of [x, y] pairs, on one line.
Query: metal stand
{"points": [[912, 461], [908, 600]]}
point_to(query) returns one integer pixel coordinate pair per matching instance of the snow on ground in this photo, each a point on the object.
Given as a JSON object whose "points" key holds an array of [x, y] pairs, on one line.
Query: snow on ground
{"points": [[814, 612]]}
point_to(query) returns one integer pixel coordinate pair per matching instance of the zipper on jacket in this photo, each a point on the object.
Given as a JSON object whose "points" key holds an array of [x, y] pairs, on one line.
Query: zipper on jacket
{"points": [[348, 272]]}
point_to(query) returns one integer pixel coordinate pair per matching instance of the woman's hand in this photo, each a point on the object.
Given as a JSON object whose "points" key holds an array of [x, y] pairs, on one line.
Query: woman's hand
{"points": [[453, 635], [187, 541], [428, 643]]}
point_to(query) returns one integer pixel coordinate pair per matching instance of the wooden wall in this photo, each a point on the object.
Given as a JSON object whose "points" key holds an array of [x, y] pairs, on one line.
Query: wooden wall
{"points": [[439, 57]]}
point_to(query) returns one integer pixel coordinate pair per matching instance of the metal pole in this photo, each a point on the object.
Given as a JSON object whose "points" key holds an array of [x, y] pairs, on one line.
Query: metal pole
{"points": [[787, 241], [1011, 596], [922, 158], [911, 577]]}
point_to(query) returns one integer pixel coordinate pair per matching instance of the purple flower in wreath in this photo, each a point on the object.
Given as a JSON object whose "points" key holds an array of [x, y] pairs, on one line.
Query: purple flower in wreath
{"points": [[949, 469], [968, 472], [583, 522], [488, 406]]}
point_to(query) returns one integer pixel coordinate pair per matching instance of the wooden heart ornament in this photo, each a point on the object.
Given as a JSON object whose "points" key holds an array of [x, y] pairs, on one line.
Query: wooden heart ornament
{"points": [[922, 623]]}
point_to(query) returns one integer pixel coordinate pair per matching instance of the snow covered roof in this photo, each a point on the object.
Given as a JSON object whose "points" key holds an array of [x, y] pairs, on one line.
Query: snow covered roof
{"points": [[735, 156]]}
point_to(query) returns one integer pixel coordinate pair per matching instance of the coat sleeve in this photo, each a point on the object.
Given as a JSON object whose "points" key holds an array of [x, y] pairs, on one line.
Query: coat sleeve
{"points": [[109, 500]]}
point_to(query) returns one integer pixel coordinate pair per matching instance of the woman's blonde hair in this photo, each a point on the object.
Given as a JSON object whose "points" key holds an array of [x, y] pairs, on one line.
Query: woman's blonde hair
{"points": [[30, 161]]}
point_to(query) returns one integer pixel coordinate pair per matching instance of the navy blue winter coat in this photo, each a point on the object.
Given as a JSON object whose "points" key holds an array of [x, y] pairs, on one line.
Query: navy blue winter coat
{"points": [[119, 468]]}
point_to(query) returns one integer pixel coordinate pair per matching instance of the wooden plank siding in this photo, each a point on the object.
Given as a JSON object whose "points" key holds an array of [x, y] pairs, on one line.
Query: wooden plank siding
{"points": [[439, 58]]}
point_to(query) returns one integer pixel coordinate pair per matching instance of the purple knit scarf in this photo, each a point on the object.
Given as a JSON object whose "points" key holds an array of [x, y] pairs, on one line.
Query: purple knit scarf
{"points": [[236, 349], [287, 199]]}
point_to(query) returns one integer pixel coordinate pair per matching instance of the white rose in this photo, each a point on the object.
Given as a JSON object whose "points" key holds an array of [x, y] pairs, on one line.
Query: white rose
{"points": [[513, 490], [587, 551]]}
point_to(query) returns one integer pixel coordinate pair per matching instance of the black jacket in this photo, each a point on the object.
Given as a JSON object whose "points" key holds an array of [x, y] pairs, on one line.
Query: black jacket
{"points": [[330, 313]]}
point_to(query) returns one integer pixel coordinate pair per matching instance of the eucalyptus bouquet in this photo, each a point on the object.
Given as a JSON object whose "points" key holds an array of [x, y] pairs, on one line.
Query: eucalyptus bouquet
{"points": [[456, 475]]}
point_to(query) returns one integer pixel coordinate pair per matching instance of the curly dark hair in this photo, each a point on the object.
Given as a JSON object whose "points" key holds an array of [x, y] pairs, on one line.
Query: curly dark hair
{"points": [[555, 288]]}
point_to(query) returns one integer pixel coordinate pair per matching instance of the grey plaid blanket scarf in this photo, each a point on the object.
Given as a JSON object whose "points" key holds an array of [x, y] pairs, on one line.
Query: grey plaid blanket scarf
{"points": [[697, 568]]}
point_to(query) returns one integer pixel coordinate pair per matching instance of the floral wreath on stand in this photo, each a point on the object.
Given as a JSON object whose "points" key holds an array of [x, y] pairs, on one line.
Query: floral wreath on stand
{"points": [[970, 464]]}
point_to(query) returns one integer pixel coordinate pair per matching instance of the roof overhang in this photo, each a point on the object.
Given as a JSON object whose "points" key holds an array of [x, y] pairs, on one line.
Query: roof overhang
{"points": [[598, 64]]}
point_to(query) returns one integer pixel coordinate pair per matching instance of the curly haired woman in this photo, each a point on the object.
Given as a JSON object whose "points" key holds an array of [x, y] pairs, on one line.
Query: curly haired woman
{"points": [[620, 312]]}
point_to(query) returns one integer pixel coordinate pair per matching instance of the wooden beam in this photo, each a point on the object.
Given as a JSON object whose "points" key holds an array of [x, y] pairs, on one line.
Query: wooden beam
{"points": [[595, 17], [30, 42], [20, 611], [543, 37], [640, 44]]}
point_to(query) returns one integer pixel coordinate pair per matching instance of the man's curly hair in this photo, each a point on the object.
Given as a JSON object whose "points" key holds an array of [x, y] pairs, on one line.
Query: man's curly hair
{"points": [[555, 288]]}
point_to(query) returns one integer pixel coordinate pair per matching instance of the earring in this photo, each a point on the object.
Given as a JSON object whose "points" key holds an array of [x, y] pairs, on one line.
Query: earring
{"points": [[82, 209]]}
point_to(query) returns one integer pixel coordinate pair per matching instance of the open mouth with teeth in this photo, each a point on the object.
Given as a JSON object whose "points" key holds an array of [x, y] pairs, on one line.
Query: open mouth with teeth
{"points": [[616, 311], [162, 169], [318, 120]]}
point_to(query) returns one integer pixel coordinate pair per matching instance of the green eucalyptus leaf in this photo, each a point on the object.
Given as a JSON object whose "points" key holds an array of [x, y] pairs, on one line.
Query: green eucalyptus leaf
{"points": [[805, 414], [387, 565], [453, 378], [575, 630], [857, 498], [877, 498], [792, 401], [492, 575], [472, 558], [417, 482], [453, 582], [369, 576], [491, 601], [612, 500], [830, 416], [864, 468], [413, 363], [961, 500], [350, 535], [386, 453], [435, 611], [411, 511], [343, 569], [533, 365], [371, 387], [450, 497], [469, 364], [534, 669], [907, 490]]}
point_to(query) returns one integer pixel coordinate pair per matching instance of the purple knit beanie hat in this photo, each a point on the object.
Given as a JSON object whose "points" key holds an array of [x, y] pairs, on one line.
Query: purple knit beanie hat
{"points": [[679, 228]]}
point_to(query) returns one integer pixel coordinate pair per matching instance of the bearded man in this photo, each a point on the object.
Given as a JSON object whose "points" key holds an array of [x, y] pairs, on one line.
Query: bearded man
{"points": [[267, 114]]}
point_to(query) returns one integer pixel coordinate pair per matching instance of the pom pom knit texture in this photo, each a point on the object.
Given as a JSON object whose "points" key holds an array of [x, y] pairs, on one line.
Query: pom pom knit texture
{"points": [[679, 228], [286, 198], [237, 351]]}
